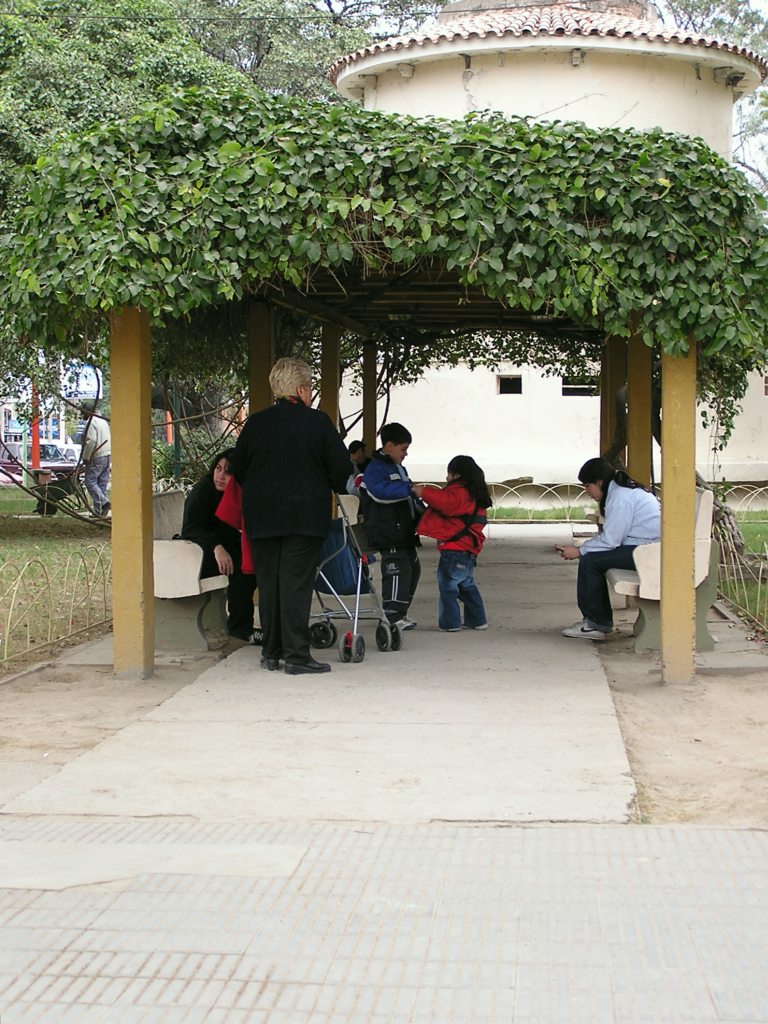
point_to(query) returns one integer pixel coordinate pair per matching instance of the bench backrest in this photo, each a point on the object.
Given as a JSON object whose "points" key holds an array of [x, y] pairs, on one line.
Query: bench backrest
{"points": [[647, 557], [167, 512]]}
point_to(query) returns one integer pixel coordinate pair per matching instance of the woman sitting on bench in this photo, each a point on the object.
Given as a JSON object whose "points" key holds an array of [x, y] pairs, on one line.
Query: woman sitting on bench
{"points": [[632, 516], [222, 549]]}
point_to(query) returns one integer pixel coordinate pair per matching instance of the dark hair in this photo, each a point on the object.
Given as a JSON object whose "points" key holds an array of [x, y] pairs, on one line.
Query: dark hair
{"points": [[228, 454], [473, 478], [601, 471], [354, 446], [395, 433]]}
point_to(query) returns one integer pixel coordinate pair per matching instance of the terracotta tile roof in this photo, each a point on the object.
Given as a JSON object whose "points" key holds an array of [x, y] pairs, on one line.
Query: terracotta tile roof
{"points": [[560, 20]]}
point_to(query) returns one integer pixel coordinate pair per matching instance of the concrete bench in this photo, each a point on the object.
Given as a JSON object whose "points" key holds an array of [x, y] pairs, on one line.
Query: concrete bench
{"points": [[186, 606], [644, 584]]}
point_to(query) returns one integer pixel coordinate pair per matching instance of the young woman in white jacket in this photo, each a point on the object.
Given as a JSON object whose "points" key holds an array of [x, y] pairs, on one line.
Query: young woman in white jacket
{"points": [[632, 516]]}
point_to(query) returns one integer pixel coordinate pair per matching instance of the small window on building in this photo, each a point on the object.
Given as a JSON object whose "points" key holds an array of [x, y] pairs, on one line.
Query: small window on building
{"points": [[581, 386], [765, 384], [509, 385]]}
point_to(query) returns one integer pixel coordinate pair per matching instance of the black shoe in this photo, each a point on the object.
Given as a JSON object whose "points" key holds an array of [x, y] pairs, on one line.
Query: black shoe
{"points": [[300, 668], [270, 664], [256, 639]]}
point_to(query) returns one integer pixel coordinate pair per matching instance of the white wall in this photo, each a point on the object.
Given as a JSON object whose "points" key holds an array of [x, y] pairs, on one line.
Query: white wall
{"points": [[538, 433], [621, 83]]}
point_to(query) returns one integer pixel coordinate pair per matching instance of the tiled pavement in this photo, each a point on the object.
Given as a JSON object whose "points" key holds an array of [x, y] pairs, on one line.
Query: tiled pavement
{"points": [[394, 916], [387, 924]]}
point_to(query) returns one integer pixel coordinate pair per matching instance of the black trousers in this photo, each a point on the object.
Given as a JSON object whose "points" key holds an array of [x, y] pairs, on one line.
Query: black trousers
{"points": [[286, 568], [400, 574], [240, 608]]}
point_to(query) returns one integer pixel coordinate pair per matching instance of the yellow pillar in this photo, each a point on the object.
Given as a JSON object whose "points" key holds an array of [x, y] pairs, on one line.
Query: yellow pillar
{"points": [[329, 371], [613, 375], [132, 581], [369, 396], [639, 388], [678, 511], [261, 355]]}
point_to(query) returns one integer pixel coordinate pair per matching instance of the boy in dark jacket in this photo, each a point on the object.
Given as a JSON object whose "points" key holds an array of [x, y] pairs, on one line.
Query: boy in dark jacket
{"points": [[390, 513]]}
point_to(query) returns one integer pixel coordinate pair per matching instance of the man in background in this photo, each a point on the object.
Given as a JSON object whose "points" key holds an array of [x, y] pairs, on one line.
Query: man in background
{"points": [[97, 459]]}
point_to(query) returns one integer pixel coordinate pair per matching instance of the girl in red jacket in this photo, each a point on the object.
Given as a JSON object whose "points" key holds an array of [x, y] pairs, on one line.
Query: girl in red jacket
{"points": [[455, 517]]}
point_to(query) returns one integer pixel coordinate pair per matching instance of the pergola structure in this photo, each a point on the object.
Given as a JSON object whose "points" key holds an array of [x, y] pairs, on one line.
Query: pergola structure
{"points": [[388, 225]]}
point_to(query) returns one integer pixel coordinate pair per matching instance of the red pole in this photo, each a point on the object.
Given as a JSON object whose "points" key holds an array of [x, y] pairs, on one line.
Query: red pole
{"points": [[168, 427], [35, 429]]}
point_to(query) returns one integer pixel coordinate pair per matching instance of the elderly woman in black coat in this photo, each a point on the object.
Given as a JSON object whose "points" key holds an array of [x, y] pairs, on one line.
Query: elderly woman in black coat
{"points": [[289, 459], [222, 547]]}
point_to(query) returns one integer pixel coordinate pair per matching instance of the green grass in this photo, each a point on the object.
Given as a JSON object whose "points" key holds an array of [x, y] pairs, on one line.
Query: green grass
{"points": [[561, 514], [755, 533]]}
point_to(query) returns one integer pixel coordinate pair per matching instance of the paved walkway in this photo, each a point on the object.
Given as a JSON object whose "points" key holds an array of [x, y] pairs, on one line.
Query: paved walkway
{"points": [[444, 834]]}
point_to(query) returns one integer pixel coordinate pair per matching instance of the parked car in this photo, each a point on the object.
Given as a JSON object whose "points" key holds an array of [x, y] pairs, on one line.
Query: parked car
{"points": [[52, 458]]}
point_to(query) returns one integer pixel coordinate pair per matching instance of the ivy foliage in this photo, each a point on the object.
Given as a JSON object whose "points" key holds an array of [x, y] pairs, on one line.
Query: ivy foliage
{"points": [[196, 201]]}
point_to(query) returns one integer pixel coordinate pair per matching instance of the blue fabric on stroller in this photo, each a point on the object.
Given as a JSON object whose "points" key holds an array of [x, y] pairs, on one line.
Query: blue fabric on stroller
{"points": [[338, 563]]}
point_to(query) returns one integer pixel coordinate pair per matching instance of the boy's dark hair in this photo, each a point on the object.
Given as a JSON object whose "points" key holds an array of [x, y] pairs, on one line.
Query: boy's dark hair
{"points": [[354, 447], [395, 433], [473, 478]]}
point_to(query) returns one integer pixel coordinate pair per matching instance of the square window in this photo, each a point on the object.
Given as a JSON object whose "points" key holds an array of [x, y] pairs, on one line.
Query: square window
{"points": [[509, 385]]}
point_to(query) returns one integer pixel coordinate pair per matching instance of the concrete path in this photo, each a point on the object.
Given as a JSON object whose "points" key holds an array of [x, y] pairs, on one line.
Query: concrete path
{"points": [[376, 846]]}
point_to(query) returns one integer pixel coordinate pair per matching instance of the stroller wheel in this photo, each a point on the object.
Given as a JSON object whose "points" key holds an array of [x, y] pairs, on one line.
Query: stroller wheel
{"points": [[358, 648], [397, 638], [345, 647], [383, 636], [322, 634]]}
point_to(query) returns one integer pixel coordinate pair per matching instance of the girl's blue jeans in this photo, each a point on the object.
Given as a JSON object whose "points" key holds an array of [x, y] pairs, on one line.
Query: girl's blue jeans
{"points": [[456, 582]]}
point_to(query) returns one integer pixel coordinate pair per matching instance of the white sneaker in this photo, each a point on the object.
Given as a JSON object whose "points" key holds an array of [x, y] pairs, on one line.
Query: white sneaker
{"points": [[484, 626], [583, 631], [406, 623], [453, 629]]}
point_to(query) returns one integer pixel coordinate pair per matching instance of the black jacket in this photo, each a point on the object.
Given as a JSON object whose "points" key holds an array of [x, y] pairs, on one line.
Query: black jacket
{"points": [[289, 459], [200, 523]]}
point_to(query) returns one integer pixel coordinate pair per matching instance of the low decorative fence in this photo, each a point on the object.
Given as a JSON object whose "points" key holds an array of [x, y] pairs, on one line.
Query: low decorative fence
{"points": [[41, 608]]}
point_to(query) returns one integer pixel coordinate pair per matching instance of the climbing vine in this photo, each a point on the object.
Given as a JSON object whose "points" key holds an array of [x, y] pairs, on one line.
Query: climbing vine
{"points": [[189, 206]]}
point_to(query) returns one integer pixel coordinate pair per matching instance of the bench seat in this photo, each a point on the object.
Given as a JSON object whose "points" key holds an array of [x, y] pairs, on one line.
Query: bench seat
{"points": [[187, 607]]}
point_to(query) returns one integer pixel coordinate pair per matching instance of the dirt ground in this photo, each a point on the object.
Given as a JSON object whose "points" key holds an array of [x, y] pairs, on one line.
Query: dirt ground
{"points": [[699, 753]]}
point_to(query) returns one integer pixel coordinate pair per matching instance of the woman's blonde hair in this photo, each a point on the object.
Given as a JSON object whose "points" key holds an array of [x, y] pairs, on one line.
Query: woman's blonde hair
{"points": [[288, 374]]}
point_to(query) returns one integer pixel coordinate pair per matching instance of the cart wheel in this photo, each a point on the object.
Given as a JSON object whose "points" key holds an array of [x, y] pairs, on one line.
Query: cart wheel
{"points": [[322, 634], [358, 648], [383, 636], [345, 647], [397, 638]]}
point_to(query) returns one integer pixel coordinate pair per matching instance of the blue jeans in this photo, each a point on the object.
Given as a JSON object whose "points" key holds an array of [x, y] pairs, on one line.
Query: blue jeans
{"points": [[592, 590], [456, 582], [97, 481]]}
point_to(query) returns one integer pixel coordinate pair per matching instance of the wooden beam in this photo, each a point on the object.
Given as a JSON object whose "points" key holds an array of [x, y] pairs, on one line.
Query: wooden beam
{"points": [[316, 310], [639, 398], [613, 376], [131, 421], [261, 355], [329, 372], [678, 511], [369, 396]]}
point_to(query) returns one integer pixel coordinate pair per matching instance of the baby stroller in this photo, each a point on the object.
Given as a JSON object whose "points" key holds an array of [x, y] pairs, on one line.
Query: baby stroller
{"points": [[343, 573]]}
